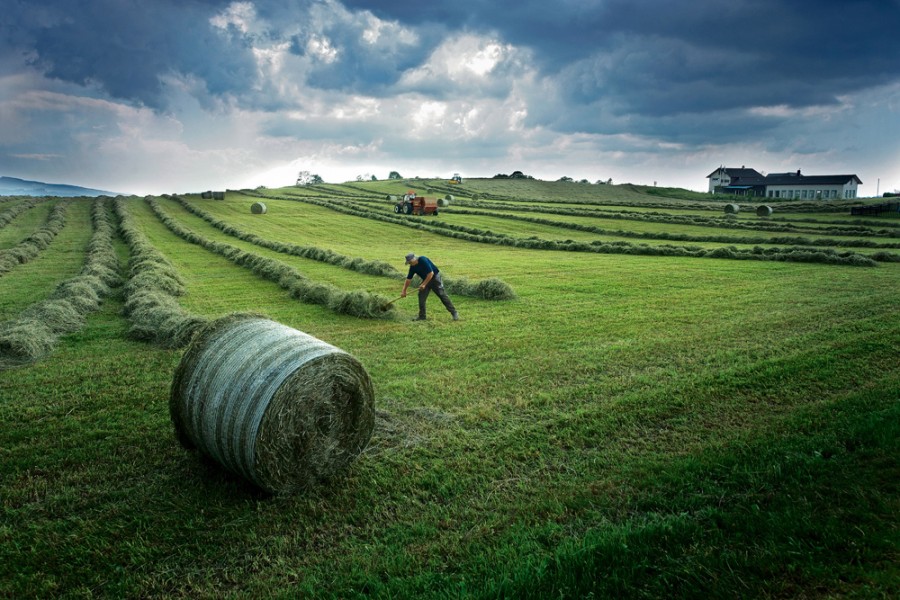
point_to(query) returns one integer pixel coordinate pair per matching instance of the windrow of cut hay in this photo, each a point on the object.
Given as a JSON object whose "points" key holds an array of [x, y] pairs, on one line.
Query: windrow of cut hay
{"points": [[827, 256], [31, 247], [487, 289], [686, 237], [775, 226], [272, 404], [359, 265], [355, 303], [35, 332], [152, 290], [8, 215]]}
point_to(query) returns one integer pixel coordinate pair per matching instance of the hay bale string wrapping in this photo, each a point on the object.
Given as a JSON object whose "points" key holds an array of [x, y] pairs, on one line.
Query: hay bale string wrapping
{"points": [[272, 404]]}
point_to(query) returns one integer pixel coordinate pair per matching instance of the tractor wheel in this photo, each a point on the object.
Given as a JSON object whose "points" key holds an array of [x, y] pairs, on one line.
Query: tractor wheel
{"points": [[434, 214], [397, 209], [409, 209]]}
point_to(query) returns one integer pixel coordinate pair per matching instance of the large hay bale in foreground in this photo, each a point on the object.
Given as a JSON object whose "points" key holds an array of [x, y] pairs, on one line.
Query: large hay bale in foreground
{"points": [[732, 209], [445, 201], [258, 208], [763, 211], [270, 403]]}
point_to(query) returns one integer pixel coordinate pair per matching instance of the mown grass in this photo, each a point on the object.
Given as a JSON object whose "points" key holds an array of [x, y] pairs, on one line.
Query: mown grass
{"points": [[35, 280], [629, 426]]}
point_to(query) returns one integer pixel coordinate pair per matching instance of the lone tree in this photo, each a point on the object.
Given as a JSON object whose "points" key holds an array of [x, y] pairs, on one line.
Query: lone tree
{"points": [[305, 178], [394, 175]]}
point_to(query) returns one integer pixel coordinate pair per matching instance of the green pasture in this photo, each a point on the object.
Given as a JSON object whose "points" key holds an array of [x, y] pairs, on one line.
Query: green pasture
{"points": [[628, 426], [26, 284]]}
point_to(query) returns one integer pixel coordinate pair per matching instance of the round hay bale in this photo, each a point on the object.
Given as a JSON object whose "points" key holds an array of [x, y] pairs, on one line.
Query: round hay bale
{"points": [[272, 404], [732, 209], [443, 202], [258, 208], [449, 198], [763, 211]]}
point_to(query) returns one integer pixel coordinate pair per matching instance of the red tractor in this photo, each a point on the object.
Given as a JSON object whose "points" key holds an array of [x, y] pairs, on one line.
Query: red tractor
{"points": [[411, 204]]}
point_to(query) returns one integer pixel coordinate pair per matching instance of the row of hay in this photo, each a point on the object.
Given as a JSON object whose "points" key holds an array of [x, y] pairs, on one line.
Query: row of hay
{"points": [[488, 237], [355, 303], [359, 265], [686, 237], [152, 290], [659, 217], [34, 333], [624, 215], [486, 289], [7, 216], [29, 248]]}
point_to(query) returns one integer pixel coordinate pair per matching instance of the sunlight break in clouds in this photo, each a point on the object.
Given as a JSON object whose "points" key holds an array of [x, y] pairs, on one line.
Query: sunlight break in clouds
{"points": [[238, 14], [467, 60]]}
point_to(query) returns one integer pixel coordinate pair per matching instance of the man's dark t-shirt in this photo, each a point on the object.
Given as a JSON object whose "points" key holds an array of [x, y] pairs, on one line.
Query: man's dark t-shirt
{"points": [[422, 268]]}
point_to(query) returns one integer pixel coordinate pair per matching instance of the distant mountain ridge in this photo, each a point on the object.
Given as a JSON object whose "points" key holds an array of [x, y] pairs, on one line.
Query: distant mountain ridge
{"points": [[11, 186]]}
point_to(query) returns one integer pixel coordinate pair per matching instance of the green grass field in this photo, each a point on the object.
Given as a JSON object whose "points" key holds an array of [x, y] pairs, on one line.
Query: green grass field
{"points": [[630, 425]]}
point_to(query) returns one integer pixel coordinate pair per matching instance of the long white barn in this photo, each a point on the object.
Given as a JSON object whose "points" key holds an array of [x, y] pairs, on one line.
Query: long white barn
{"points": [[787, 186]]}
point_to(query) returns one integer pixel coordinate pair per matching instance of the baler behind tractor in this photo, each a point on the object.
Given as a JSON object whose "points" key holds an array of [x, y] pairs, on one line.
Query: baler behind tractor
{"points": [[411, 204]]}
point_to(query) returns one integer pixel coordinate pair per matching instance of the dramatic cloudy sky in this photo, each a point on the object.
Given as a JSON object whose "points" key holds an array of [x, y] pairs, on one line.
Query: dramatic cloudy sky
{"points": [[185, 95]]}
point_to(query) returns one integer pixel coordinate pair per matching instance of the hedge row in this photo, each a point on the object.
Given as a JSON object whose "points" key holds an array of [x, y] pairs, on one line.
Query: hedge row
{"points": [[360, 265], [355, 303], [492, 288], [35, 332], [486, 236], [29, 248], [686, 237], [7, 216], [152, 290]]}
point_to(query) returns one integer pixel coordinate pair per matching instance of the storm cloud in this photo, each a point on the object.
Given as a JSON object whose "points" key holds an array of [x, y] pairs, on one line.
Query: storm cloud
{"points": [[110, 92]]}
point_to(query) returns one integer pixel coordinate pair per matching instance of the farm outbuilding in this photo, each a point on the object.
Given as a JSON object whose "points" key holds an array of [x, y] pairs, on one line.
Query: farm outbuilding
{"points": [[783, 186]]}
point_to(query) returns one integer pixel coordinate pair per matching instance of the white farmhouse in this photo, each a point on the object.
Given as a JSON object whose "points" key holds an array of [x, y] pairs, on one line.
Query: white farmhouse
{"points": [[785, 186]]}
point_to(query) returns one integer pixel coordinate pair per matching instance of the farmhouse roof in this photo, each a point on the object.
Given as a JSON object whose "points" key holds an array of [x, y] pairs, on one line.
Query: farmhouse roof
{"points": [[742, 176], [797, 178], [749, 177]]}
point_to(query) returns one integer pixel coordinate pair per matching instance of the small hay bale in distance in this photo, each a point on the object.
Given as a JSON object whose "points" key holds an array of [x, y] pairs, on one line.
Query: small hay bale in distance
{"points": [[274, 405], [206, 195], [258, 208], [732, 209], [764, 211], [218, 195]]}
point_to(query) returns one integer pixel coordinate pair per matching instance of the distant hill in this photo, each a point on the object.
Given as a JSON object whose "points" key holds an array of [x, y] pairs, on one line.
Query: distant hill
{"points": [[10, 186]]}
